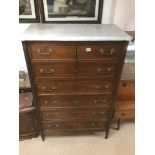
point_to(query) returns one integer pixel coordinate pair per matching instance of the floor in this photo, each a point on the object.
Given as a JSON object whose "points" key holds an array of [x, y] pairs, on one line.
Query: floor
{"points": [[119, 143]]}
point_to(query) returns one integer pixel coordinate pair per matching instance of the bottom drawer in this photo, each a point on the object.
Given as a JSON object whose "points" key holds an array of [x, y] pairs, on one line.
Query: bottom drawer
{"points": [[27, 125], [76, 125], [124, 114]]}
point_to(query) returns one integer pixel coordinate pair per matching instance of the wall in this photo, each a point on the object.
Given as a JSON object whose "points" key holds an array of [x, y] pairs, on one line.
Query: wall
{"points": [[119, 12]]}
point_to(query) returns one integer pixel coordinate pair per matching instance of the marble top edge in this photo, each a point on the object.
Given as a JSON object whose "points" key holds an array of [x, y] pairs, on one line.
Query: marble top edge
{"points": [[75, 32]]}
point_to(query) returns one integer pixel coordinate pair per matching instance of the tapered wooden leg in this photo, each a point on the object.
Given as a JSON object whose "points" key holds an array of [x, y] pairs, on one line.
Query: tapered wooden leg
{"points": [[42, 136], [118, 124], [107, 134]]}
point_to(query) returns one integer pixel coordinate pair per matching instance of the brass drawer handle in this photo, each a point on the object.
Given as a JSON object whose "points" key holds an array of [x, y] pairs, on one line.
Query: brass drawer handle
{"points": [[49, 72], [93, 124], [102, 51], [107, 86], [102, 113], [41, 53], [76, 101], [50, 90], [49, 125], [98, 87], [94, 113], [99, 69], [46, 102], [112, 51], [109, 69], [57, 125]]}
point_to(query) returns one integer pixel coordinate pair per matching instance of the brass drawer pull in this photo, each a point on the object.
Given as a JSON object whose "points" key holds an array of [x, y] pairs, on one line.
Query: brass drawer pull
{"points": [[49, 125], [76, 101], [107, 86], [112, 51], [46, 102], [50, 90], [57, 125], [50, 72], [41, 53], [98, 87], [94, 113], [93, 124], [109, 69], [102, 113], [102, 51]]}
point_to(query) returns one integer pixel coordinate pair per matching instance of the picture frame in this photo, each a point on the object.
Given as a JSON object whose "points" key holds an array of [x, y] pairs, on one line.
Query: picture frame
{"points": [[71, 11], [29, 11]]}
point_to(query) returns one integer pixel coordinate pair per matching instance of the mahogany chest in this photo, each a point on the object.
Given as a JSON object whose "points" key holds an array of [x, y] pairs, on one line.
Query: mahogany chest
{"points": [[74, 81]]}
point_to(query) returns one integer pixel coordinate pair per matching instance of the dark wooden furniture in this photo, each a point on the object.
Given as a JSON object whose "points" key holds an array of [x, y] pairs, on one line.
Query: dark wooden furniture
{"points": [[74, 88], [28, 127], [74, 73], [125, 101]]}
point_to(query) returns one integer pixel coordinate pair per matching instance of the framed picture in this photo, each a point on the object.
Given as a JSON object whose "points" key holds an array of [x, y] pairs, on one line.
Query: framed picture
{"points": [[71, 11], [29, 11]]}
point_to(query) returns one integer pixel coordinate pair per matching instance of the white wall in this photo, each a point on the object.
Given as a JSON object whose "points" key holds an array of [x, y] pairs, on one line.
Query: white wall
{"points": [[22, 63], [119, 12]]}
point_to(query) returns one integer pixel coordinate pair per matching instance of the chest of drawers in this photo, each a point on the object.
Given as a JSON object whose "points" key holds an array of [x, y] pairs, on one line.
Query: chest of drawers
{"points": [[74, 81]]}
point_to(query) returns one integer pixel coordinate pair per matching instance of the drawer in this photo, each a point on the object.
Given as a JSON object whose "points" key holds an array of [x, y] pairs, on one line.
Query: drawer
{"points": [[25, 100], [124, 114], [47, 50], [78, 124], [96, 69], [74, 87], [65, 69], [75, 100], [74, 113], [27, 124], [106, 50]]}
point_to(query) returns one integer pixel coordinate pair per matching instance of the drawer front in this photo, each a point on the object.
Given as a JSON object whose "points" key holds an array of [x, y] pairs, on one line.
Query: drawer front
{"points": [[54, 69], [25, 100], [86, 124], [72, 113], [75, 100], [43, 50], [82, 87], [96, 69], [27, 123], [105, 50], [124, 114]]}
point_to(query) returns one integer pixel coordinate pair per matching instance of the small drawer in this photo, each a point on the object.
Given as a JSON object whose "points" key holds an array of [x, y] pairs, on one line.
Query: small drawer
{"points": [[25, 100], [65, 69], [124, 114], [47, 50], [78, 124], [47, 101], [74, 113], [77, 87], [106, 50], [97, 69]]}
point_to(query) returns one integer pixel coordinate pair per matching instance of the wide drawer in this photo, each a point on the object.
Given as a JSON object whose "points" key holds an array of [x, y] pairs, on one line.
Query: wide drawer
{"points": [[97, 68], [47, 101], [47, 50], [74, 87], [76, 124], [74, 113], [105, 50], [124, 114], [54, 69]]}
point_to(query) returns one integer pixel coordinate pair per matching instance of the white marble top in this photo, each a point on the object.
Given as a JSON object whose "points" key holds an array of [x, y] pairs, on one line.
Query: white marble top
{"points": [[74, 32]]}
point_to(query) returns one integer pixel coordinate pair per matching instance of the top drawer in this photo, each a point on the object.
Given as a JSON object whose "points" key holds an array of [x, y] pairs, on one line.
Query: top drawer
{"points": [[105, 50], [47, 50]]}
